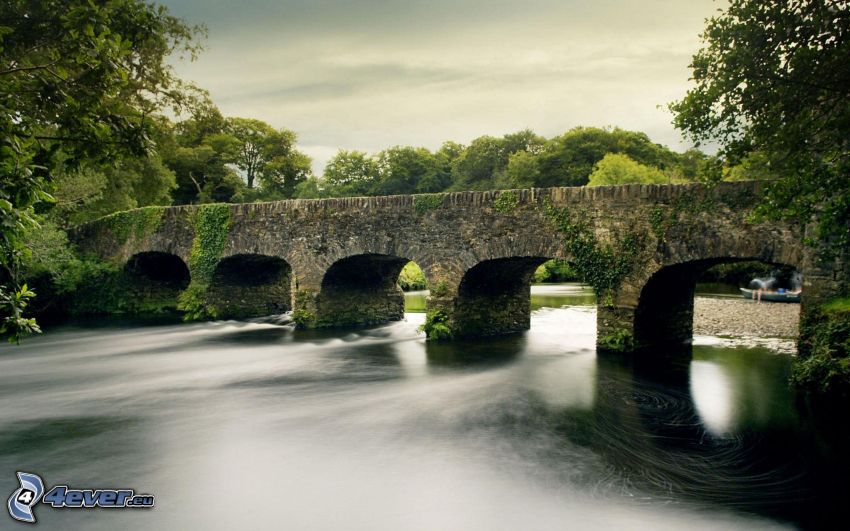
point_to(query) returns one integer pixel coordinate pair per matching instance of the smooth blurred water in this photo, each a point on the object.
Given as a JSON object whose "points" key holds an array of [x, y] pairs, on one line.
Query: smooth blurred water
{"points": [[250, 425]]}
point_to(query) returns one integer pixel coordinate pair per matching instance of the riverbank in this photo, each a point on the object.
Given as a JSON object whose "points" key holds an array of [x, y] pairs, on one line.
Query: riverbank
{"points": [[741, 317]]}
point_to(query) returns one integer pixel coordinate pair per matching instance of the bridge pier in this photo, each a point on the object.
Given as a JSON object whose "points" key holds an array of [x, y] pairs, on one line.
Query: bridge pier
{"points": [[250, 285], [359, 290], [491, 298], [651, 313]]}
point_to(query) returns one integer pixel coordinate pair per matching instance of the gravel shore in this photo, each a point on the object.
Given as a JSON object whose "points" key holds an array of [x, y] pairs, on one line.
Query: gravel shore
{"points": [[741, 317]]}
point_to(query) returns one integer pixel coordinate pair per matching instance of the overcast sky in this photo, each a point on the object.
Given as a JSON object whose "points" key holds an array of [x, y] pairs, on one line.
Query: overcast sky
{"points": [[372, 74]]}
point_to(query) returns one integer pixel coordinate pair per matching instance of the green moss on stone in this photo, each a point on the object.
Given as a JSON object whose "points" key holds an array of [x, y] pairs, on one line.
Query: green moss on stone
{"points": [[211, 224], [507, 201], [441, 289], [658, 222], [604, 267], [138, 223], [618, 340], [194, 303], [107, 289], [426, 202], [301, 315]]}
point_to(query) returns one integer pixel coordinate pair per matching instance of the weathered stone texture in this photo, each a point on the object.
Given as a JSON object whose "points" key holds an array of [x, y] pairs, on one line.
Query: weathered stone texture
{"points": [[682, 226]]}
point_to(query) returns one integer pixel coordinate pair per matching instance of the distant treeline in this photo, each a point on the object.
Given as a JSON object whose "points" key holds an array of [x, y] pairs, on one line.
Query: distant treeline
{"points": [[210, 158]]}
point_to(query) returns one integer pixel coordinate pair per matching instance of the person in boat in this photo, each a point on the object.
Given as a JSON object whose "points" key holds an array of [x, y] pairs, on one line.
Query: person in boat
{"points": [[762, 285], [769, 286]]}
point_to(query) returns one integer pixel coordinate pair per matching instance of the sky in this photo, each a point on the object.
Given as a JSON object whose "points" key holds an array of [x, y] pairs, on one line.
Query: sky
{"points": [[372, 74]]}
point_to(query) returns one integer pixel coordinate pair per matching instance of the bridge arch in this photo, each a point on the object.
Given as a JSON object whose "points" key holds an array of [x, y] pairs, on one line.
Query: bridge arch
{"points": [[664, 314], [251, 285], [159, 267], [157, 278], [494, 297], [361, 289]]}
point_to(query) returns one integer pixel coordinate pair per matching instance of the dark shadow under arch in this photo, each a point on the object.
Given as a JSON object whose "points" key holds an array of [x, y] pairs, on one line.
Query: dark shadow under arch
{"points": [[251, 285], [154, 281], [164, 269], [361, 290], [664, 316], [250, 270], [494, 297]]}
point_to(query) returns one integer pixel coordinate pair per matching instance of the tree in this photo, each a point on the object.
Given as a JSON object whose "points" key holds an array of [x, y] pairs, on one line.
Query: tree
{"points": [[199, 151], [202, 175], [617, 168], [569, 159], [92, 191], [450, 151], [408, 170], [772, 77], [476, 165], [311, 188], [350, 173], [523, 170], [696, 166], [482, 165], [284, 172], [753, 166], [265, 154], [83, 78]]}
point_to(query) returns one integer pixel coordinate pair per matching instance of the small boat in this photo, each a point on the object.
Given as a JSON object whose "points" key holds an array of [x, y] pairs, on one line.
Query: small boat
{"points": [[771, 296]]}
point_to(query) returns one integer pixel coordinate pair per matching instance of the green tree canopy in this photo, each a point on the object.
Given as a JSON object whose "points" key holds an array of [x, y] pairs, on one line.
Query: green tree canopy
{"points": [[408, 170], [482, 164], [773, 77], [268, 155], [84, 79], [199, 151], [617, 168], [569, 159], [350, 173], [203, 175]]}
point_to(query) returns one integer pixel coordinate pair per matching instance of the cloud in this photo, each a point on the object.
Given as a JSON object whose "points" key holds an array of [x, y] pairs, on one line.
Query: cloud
{"points": [[369, 75]]}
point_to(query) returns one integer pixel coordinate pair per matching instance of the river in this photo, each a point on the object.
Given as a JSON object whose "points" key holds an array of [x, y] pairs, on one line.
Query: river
{"points": [[251, 425]]}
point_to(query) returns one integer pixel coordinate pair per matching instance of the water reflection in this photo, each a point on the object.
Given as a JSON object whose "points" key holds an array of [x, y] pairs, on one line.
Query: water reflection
{"points": [[377, 429], [714, 397]]}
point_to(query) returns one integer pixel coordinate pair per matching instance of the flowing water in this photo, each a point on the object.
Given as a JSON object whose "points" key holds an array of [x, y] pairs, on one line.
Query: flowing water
{"points": [[251, 425]]}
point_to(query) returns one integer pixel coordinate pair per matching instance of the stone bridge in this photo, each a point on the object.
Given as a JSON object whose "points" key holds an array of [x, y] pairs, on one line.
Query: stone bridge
{"points": [[335, 262]]}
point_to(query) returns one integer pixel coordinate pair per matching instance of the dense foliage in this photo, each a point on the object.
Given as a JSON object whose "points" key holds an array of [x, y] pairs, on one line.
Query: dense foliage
{"points": [[824, 362], [79, 82], [772, 78], [555, 271], [617, 168], [412, 278]]}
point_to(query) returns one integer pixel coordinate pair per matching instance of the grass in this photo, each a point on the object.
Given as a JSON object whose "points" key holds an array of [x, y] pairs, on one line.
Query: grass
{"points": [[837, 305]]}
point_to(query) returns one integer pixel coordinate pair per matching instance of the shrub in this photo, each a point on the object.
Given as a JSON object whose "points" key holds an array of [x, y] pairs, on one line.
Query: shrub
{"points": [[437, 326], [411, 278], [555, 271], [824, 361]]}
